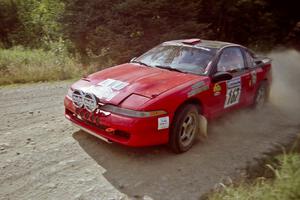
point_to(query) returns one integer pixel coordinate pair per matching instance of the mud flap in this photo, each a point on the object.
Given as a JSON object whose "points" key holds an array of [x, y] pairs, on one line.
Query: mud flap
{"points": [[202, 127]]}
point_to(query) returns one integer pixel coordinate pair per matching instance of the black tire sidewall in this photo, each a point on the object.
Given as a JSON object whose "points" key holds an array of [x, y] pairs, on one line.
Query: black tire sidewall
{"points": [[180, 115], [263, 85]]}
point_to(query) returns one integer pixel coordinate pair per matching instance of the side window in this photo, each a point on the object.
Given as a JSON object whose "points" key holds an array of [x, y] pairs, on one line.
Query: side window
{"points": [[249, 60], [231, 60]]}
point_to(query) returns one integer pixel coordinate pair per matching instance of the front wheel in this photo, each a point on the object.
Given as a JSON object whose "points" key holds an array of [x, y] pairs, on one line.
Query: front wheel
{"points": [[184, 128]]}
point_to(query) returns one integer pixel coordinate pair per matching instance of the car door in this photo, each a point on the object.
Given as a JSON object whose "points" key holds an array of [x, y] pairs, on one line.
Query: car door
{"points": [[253, 76], [230, 94]]}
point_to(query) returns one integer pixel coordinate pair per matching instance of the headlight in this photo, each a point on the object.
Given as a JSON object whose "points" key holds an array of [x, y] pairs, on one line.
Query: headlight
{"points": [[70, 92], [132, 113]]}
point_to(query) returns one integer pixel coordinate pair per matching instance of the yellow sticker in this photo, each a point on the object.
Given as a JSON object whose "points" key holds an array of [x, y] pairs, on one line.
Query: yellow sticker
{"points": [[217, 88]]}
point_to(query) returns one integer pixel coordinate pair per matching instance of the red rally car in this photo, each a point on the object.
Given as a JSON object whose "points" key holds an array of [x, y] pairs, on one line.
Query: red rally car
{"points": [[167, 95]]}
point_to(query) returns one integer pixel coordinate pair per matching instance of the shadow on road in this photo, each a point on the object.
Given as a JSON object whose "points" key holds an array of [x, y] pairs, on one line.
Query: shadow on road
{"points": [[233, 141]]}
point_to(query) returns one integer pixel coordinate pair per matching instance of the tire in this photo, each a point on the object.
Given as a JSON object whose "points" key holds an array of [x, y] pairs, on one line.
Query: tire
{"points": [[261, 96], [184, 128]]}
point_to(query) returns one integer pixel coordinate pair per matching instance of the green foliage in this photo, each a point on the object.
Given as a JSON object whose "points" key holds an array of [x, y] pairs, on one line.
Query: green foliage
{"points": [[285, 185], [30, 23], [9, 22], [19, 65]]}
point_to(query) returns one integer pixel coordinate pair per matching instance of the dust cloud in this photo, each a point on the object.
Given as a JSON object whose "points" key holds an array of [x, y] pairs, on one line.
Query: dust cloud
{"points": [[285, 90], [279, 120]]}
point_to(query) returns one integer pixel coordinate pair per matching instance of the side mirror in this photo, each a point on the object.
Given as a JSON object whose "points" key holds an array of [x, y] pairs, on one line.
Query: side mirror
{"points": [[132, 59], [221, 76]]}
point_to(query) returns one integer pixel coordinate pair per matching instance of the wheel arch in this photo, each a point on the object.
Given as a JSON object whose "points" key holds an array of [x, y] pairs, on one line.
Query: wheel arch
{"points": [[193, 101], [198, 103]]}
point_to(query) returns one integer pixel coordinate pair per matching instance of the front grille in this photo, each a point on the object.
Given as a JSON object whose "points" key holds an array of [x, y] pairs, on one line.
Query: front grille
{"points": [[93, 120], [88, 117]]}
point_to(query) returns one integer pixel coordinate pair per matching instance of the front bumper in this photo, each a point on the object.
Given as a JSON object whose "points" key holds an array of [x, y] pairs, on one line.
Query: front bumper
{"points": [[127, 131]]}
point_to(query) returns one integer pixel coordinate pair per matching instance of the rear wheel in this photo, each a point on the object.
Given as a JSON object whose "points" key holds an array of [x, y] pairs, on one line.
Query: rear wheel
{"points": [[261, 96], [185, 127]]}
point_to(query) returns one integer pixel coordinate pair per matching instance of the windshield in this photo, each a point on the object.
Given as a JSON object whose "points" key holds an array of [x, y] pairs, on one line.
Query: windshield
{"points": [[181, 58]]}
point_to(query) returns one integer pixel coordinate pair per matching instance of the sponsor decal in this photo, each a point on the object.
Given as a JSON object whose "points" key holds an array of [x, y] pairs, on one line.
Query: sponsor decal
{"points": [[101, 92], [106, 89], [217, 89], [87, 116], [113, 84], [163, 123], [197, 88], [197, 85], [91, 117], [233, 92]]}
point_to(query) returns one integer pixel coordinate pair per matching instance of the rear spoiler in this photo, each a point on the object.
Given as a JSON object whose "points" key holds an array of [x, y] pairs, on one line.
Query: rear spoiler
{"points": [[261, 61]]}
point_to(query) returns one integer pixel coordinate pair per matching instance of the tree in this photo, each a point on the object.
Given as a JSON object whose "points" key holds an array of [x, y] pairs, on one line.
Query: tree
{"points": [[259, 23], [30, 23], [9, 22], [119, 30]]}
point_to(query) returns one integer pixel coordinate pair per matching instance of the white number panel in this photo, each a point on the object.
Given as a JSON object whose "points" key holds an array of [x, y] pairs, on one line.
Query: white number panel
{"points": [[234, 89]]}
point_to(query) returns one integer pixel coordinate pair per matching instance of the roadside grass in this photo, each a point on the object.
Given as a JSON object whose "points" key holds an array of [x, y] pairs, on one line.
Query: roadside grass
{"points": [[19, 65], [52, 82], [284, 186]]}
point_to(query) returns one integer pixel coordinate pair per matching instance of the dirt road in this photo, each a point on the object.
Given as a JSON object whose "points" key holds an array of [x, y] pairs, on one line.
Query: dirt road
{"points": [[43, 157]]}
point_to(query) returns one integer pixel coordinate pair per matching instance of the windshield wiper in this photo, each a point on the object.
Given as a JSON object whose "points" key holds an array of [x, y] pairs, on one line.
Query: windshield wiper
{"points": [[169, 68], [141, 63]]}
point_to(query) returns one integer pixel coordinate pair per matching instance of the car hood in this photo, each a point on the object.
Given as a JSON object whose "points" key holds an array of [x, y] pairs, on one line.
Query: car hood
{"points": [[115, 84]]}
